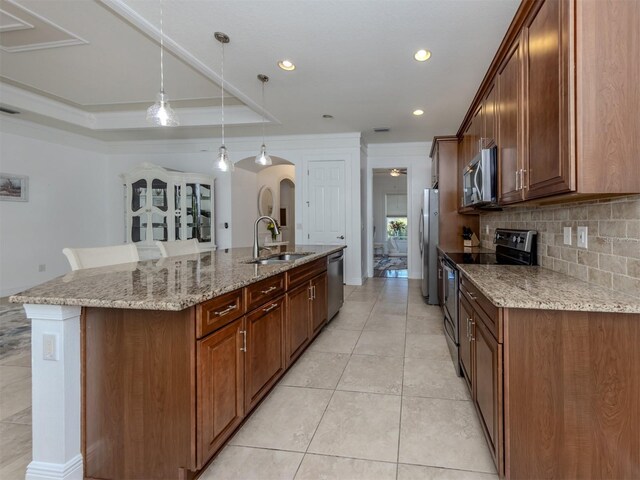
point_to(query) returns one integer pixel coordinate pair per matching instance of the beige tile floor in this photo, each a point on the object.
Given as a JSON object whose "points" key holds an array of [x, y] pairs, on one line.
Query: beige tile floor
{"points": [[375, 397]]}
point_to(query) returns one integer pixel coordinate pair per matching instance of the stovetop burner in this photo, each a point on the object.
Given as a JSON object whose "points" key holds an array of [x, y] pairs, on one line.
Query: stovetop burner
{"points": [[513, 247]]}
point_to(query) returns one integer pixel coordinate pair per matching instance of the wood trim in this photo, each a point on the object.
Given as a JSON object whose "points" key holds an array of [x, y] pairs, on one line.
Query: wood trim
{"points": [[441, 138], [512, 33]]}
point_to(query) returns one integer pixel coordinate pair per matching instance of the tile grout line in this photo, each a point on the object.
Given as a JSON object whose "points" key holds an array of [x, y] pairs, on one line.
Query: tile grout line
{"points": [[306, 452], [404, 359]]}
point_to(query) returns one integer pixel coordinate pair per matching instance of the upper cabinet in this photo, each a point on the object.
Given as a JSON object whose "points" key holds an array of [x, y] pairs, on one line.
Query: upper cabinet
{"points": [[166, 205], [561, 102]]}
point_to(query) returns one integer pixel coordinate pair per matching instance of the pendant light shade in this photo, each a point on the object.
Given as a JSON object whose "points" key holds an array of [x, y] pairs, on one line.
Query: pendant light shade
{"points": [[223, 164], [160, 113], [263, 159]]}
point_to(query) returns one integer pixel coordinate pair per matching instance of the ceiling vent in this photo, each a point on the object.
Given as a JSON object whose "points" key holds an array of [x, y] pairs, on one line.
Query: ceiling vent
{"points": [[381, 130], [8, 111]]}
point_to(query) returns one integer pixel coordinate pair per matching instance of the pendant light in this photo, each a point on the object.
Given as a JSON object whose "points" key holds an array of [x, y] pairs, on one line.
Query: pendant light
{"points": [[263, 158], [222, 162], [161, 113]]}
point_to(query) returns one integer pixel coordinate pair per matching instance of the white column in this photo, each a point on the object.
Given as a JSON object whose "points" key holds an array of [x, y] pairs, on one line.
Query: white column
{"points": [[55, 335]]}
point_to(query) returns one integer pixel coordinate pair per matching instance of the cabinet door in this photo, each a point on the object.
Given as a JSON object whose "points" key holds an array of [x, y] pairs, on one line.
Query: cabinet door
{"points": [[475, 132], [488, 386], [319, 305], [465, 313], [548, 168], [220, 385], [509, 125], [265, 360], [440, 282], [298, 312], [489, 133]]}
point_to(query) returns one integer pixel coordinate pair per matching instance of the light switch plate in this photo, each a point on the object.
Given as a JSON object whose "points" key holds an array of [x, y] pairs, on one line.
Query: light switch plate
{"points": [[582, 237], [567, 235]]}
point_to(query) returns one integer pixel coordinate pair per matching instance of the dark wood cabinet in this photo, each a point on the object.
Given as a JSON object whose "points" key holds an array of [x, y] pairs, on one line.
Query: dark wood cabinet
{"points": [[547, 166], [297, 331], [465, 313], [488, 385], [509, 113], [220, 387], [265, 350], [482, 364], [440, 269], [319, 299], [489, 118]]}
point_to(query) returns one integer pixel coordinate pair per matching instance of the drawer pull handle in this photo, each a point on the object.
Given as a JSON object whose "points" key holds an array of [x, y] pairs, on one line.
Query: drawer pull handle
{"points": [[230, 308], [472, 296], [244, 341], [268, 290], [270, 307]]}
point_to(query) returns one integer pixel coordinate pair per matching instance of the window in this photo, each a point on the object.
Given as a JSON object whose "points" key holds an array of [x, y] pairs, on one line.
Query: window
{"points": [[397, 227]]}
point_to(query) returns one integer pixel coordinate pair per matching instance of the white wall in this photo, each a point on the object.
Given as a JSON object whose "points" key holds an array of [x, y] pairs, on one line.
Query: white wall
{"points": [[365, 251], [415, 158], [244, 206], [66, 207], [382, 185]]}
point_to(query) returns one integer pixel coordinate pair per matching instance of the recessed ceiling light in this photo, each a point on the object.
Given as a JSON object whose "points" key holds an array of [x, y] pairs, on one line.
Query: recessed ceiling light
{"points": [[418, 112], [422, 55], [286, 65], [327, 116]]}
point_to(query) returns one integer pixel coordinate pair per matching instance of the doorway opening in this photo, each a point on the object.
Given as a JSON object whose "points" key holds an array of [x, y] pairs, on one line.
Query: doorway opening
{"points": [[287, 210], [390, 223]]}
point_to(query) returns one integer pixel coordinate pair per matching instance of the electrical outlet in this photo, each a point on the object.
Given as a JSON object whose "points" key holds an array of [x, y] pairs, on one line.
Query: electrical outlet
{"points": [[49, 346], [567, 235], [582, 237], [42, 267]]}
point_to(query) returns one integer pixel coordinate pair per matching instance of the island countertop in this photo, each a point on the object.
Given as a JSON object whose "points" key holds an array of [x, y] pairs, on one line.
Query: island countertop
{"points": [[173, 283], [515, 286]]}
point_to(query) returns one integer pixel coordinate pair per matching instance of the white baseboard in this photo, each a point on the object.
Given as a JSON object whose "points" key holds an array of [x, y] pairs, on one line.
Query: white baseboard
{"points": [[72, 470]]}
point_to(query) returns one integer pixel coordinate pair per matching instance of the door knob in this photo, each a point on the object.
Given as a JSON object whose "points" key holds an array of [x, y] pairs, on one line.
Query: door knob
{"points": [[341, 237]]}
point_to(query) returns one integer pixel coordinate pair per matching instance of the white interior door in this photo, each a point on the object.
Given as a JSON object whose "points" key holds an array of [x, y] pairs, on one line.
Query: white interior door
{"points": [[326, 203]]}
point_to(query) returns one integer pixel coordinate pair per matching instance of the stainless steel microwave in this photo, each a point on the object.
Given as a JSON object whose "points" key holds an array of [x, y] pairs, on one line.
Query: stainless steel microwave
{"points": [[480, 180]]}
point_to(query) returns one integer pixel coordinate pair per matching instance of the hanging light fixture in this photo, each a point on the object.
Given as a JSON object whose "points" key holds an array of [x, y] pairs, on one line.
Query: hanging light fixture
{"points": [[394, 172], [263, 158], [161, 113], [222, 162]]}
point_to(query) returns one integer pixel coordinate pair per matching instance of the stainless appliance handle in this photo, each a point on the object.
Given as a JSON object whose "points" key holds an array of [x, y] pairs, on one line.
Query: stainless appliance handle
{"points": [[475, 182], [421, 230]]}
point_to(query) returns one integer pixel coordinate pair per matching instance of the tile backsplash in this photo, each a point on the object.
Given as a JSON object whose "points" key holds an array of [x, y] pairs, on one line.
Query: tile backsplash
{"points": [[612, 256]]}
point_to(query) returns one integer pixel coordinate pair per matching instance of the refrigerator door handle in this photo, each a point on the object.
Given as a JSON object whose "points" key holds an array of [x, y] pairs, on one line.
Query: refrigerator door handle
{"points": [[421, 231]]}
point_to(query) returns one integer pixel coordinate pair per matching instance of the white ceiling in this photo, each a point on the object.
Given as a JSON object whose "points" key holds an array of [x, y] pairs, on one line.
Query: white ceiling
{"points": [[354, 58]]}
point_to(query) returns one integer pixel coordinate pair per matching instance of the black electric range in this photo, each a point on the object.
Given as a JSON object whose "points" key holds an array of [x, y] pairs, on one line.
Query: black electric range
{"points": [[513, 247]]}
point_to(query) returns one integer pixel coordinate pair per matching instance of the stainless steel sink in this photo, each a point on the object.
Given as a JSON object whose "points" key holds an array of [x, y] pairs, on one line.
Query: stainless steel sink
{"points": [[283, 258]]}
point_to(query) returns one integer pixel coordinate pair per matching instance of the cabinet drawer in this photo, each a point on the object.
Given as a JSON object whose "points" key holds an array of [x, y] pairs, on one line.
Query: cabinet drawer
{"points": [[487, 311], [306, 272], [219, 311], [263, 291]]}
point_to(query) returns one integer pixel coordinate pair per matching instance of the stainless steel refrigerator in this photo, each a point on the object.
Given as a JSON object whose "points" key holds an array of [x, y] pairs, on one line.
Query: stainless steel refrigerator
{"points": [[428, 230]]}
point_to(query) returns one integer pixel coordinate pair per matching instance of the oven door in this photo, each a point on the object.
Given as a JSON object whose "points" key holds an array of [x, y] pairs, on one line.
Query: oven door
{"points": [[450, 274]]}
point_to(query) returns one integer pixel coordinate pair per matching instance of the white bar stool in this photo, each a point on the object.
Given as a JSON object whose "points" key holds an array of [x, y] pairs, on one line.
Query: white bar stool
{"points": [[178, 247], [80, 258]]}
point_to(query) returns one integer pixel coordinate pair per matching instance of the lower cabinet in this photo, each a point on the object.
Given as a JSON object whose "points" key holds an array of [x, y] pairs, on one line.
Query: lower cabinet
{"points": [[306, 314], [482, 365], [319, 299], [220, 387], [265, 353], [297, 332]]}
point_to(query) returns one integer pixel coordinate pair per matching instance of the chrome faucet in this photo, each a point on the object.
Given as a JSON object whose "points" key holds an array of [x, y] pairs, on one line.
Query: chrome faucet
{"points": [[256, 247]]}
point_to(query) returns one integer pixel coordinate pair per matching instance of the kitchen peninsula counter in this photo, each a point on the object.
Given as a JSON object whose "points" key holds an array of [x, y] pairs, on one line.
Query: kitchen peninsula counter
{"points": [[146, 369], [173, 283]]}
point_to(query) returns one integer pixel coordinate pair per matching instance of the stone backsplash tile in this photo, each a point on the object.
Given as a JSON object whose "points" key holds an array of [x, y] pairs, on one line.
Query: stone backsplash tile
{"points": [[612, 258]]}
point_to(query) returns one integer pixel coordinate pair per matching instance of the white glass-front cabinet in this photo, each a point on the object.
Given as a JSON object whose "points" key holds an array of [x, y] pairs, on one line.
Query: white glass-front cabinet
{"points": [[164, 204]]}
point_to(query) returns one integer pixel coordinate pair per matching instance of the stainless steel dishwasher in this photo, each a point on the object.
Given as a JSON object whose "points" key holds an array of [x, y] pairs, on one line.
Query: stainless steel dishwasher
{"points": [[335, 274]]}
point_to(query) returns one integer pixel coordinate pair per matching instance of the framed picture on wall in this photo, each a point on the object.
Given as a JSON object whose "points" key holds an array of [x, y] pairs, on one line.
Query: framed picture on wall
{"points": [[14, 188]]}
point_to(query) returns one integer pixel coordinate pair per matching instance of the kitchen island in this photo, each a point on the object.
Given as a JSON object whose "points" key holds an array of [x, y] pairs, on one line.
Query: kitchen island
{"points": [[144, 370]]}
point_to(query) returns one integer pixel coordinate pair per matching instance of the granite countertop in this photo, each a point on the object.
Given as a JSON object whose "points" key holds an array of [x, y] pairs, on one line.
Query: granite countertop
{"points": [[515, 286], [173, 283]]}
